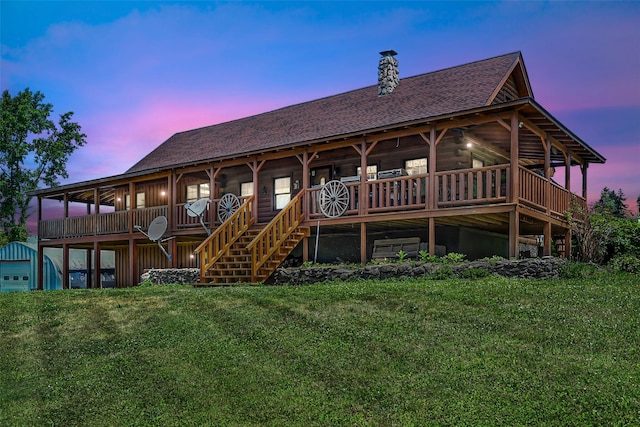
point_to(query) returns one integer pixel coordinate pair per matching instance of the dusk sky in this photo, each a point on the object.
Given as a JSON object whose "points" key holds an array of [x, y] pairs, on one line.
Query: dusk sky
{"points": [[134, 73]]}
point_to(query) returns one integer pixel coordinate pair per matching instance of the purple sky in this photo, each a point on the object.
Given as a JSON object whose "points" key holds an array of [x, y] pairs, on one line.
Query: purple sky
{"points": [[134, 73]]}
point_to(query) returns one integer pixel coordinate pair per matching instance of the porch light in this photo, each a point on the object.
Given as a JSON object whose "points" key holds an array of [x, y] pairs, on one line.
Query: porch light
{"points": [[469, 144], [163, 193]]}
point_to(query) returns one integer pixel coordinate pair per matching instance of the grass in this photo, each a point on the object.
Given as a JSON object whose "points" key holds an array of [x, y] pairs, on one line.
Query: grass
{"points": [[413, 352]]}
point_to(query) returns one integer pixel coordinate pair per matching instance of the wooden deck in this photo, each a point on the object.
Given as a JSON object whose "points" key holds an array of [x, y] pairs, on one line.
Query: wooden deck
{"points": [[467, 188]]}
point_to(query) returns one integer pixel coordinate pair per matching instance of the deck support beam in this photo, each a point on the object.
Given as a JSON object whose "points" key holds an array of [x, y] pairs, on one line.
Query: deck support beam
{"points": [[65, 266], [363, 242], [567, 243], [97, 265], [546, 231], [432, 236], [514, 233], [133, 262]]}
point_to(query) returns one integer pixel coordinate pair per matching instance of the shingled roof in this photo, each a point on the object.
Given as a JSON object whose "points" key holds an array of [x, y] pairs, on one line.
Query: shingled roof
{"points": [[427, 95]]}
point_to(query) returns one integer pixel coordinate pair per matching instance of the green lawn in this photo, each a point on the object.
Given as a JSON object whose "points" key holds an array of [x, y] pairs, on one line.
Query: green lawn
{"points": [[412, 352]]}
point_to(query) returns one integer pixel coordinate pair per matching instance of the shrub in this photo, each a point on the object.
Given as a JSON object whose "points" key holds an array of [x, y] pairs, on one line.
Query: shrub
{"points": [[577, 270], [442, 273], [453, 257], [625, 263]]}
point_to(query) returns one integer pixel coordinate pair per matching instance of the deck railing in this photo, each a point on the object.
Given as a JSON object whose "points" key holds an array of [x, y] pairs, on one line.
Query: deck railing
{"points": [[100, 224], [547, 196], [401, 193], [276, 232], [460, 188], [223, 237], [472, 186]]}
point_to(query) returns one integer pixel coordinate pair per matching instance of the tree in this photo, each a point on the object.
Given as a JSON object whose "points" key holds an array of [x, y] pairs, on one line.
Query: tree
{"points": [[33, 150], [612, 203], [607, 234]]}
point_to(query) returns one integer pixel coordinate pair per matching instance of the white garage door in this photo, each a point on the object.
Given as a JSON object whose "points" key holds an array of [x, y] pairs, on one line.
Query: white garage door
{"points": [[14, 276]]}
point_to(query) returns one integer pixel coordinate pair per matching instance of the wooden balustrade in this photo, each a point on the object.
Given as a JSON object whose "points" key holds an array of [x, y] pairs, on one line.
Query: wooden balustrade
{"points": [[113, 223], [533, 193], [223, 237], [276, 232], [532, 189], [401, 193], [472, 186], [458, 188]]}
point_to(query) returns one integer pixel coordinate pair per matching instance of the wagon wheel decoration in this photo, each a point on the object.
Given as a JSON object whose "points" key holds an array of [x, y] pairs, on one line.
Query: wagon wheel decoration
{"points": [[228, 204], [333, 199]]}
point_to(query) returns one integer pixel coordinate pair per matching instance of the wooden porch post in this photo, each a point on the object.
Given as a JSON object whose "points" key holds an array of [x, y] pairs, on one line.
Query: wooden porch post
{"points": [[40, 280], [514, 194], [567, 243], [567, 171], [133, 263], [364, 194], [97, 265], [88, 270], [255, 169], [432, 236], [514, 232], [432, 197], [546, 230], [584, 168], [432, 200], [363, 242], [132, 204], [306, 202], [170, 203], [40, 264], [212, 195], [547, 175]]}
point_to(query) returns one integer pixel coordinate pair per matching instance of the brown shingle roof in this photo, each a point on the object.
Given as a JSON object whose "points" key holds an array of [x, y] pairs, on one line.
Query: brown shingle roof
{"points": [[427, 95]]}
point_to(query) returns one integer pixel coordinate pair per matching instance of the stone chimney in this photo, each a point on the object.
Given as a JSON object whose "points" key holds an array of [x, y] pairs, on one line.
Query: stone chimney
{"points": [[387, 73]]}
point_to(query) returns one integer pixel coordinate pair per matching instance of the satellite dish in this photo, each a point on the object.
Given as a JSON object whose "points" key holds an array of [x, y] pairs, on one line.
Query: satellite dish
{"points": [[227, 206], [157, 228], [196, 209], [155, 231], [333, 200]]}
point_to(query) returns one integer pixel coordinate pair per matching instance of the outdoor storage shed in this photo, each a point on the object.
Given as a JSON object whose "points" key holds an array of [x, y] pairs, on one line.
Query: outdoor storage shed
{"points": [[19, 269]]}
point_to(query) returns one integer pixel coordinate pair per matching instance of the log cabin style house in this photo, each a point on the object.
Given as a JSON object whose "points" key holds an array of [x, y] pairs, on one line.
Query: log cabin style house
{"points": [[461, 158]]}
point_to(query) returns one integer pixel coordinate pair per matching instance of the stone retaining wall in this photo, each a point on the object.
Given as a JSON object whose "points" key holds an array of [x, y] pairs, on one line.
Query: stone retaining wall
{"points": [[167, 276], [541, 268]]}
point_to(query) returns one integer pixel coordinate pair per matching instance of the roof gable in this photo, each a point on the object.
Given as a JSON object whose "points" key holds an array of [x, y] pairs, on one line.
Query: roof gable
{"points": [[459, 88], [515, 84]]}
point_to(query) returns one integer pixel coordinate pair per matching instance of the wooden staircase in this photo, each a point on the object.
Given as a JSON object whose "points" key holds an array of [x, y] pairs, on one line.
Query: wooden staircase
{"points": [[241, 252]]}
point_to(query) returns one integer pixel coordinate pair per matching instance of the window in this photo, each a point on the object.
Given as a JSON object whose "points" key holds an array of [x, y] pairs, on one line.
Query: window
{"points": [[416, 166], [282, 191], [197, 191], [372, 172], [246, 189], [140, 200], [477, 163]]}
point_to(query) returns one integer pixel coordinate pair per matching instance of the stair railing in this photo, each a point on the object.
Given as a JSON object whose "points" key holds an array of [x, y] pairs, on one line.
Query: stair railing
{"points": [[219, 242], [265, 244]]}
